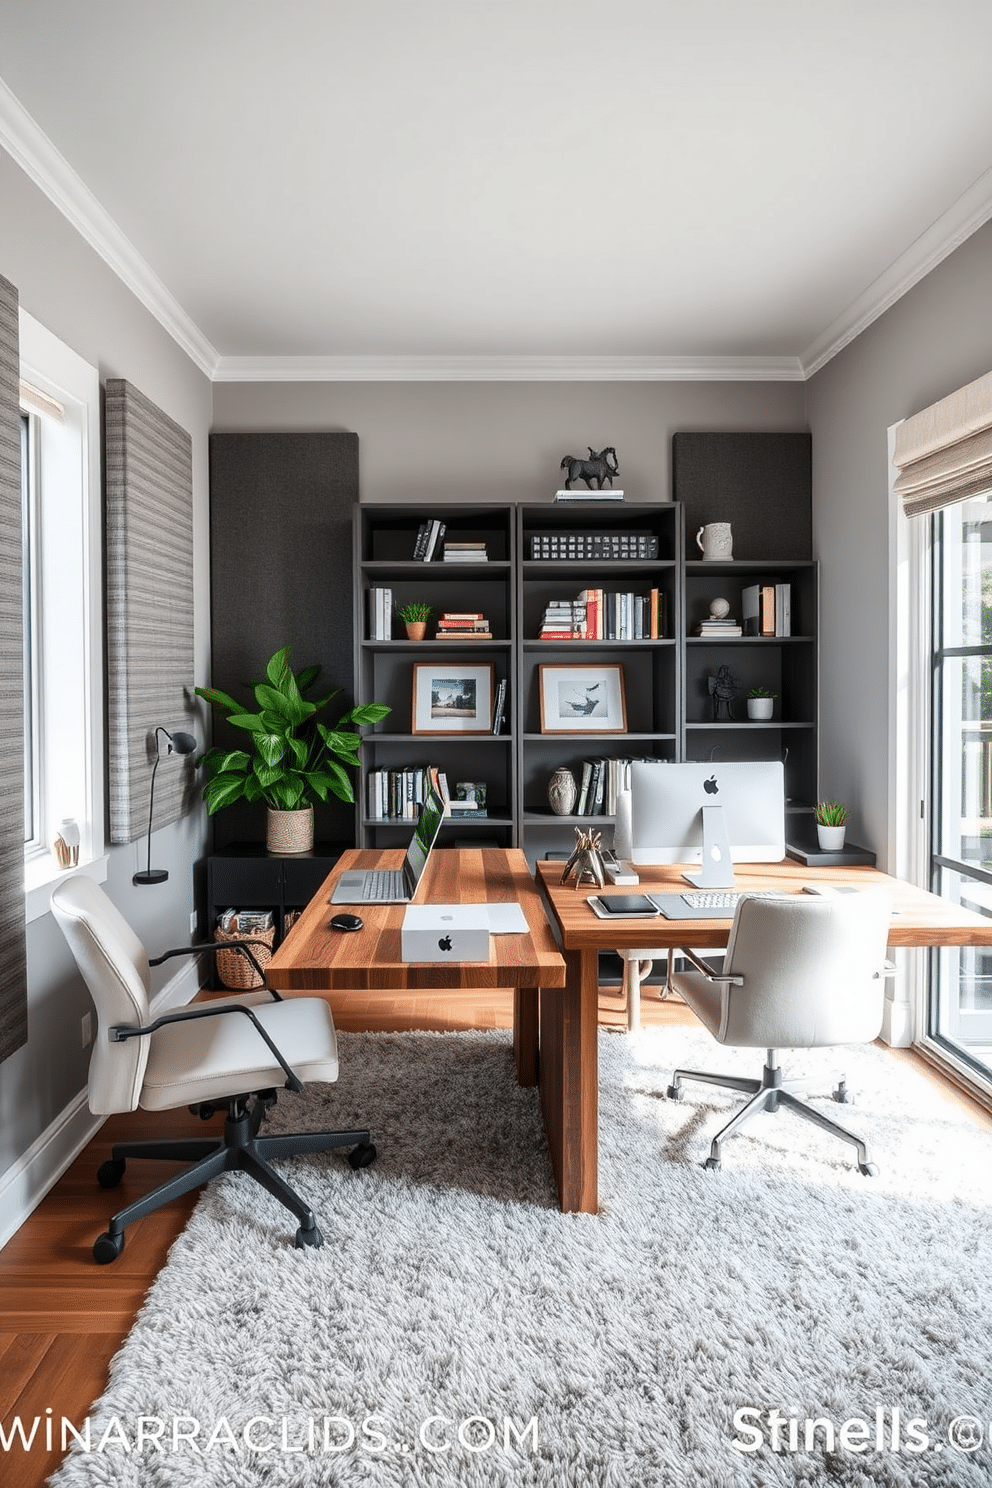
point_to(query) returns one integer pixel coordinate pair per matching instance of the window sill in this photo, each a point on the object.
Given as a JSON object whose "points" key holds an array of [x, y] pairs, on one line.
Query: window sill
{"points": [[42, 873]]}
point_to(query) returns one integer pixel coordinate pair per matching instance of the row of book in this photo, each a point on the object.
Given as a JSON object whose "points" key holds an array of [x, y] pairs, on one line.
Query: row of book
{"points": [[380, 614], [584, 545], [398, 794], [600, 782], [427, 544], [766, 609], [606, 615], [463, 625]]}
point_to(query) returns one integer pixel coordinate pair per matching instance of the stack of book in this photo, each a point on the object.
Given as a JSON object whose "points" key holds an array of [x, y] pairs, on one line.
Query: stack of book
{"points": [[463, 625], [607, 495], [563, 620], [465, 552], [469, 801], [766, 609], [380, 614], [428, 540], [719, 629]]}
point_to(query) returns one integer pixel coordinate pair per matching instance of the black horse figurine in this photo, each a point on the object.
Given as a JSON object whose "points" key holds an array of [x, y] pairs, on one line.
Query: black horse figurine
{"points": [[600, 467]]}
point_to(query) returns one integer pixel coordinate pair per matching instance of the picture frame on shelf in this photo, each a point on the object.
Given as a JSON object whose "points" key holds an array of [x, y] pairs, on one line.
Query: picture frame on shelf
{"points": [[583, 698], [452, 697]]}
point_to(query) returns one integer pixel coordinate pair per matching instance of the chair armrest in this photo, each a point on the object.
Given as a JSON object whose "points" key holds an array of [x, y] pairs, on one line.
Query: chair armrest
{"points": [[213, 946], [707, 970], [124, 1031]]}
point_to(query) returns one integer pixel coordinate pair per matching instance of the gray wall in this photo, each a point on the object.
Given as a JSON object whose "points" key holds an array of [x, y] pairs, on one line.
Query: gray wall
{"points": [[447, 441], [935, 339], [68, 288]]}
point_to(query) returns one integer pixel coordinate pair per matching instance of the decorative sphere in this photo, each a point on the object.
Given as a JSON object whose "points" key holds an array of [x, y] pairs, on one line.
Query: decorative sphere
{"points": [[720, 608]]}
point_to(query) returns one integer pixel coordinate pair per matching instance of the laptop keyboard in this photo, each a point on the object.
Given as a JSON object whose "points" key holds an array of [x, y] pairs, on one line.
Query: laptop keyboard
{"points": [[382, 883], [727, 898]]}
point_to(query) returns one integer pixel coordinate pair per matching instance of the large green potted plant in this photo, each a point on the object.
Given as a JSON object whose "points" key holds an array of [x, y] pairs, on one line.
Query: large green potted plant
{"points": [[291, 757]]}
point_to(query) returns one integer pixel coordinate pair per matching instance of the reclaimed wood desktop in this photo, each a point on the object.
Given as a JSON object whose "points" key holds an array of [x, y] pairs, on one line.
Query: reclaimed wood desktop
{"points": [[569, 1015], [315, 958]]}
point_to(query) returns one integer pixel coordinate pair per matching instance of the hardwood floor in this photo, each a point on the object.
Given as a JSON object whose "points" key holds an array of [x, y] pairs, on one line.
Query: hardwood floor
{"points": [[62, 1317]]}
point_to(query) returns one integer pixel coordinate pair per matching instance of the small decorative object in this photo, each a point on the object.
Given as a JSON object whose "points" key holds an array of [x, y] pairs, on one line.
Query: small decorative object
{"points": [[715, 541], [586, 861], [290, 758], [719, 609], [415, 617], [579, 698], [562, 791], [761, 703], [66, 844], [601, 467], [452, 698], [723, 689], [831, 817], [178, 744]]}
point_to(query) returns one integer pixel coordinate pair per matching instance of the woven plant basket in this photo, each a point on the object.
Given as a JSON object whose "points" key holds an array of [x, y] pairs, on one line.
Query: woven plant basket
{"points": [[234, 970], [289, 831]]}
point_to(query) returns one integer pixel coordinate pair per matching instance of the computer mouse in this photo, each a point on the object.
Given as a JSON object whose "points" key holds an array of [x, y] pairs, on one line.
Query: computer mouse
{"points": [[347, 922]]}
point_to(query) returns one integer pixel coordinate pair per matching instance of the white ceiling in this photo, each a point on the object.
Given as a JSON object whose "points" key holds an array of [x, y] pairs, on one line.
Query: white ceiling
{"points": [[574, 187]]}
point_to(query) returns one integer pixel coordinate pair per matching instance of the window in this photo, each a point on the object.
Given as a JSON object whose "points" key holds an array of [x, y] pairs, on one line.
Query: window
{"points": [[63, 744], [960, 981]]}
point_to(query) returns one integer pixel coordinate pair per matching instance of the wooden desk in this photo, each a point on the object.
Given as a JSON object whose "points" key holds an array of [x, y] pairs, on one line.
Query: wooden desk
{"points": [[568, 1016], [315, 958]]}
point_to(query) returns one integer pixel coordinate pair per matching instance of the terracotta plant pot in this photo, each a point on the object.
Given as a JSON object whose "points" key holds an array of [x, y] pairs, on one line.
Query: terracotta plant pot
{"points": [[415, 629]]}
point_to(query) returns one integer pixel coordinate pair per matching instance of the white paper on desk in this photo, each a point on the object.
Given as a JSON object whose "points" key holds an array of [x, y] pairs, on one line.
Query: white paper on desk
{"points": [[502, 919]]}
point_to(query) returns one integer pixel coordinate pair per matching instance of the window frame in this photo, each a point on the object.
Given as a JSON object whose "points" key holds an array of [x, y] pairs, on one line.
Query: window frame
{"points": [[68, 650]]}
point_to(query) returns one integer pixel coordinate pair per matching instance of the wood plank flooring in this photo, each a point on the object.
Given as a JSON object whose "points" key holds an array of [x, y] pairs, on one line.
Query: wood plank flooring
{"points": [[62, 1317]]}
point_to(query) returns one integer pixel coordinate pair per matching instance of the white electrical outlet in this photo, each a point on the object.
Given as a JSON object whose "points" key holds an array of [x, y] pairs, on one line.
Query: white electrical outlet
{"points": [[192, 923], [86, 1029]]}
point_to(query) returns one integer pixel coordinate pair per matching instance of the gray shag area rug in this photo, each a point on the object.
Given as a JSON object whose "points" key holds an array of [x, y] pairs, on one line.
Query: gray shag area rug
{"points": [[457, 1329]]}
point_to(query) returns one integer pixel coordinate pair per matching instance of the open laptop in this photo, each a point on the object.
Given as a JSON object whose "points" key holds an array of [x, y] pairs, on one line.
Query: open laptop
{"points": [[395, 885]]}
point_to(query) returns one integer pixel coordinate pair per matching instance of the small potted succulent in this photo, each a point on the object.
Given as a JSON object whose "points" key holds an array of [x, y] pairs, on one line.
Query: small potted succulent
{"points": [[831, 817], [760, 702], [415, 617]]}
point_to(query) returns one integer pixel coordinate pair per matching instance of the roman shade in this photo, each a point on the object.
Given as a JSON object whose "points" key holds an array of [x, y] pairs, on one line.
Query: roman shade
{"points": [[13, 959], [944, 453]]}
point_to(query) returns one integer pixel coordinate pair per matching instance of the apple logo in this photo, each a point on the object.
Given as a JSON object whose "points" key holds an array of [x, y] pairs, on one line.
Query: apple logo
{"points": [[710, 786], [444, 944]]}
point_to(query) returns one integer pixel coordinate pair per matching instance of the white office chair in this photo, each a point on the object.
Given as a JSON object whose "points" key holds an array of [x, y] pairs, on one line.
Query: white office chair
{"points": [[224, 1052], [798, 973]]}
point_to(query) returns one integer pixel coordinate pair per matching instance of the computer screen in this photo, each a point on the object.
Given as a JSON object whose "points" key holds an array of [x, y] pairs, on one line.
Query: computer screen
{"points": [[428, 826], [666, 809]]}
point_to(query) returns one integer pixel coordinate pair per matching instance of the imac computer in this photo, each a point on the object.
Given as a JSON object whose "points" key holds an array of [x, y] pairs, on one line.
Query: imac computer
{"points": [[712, 814]]}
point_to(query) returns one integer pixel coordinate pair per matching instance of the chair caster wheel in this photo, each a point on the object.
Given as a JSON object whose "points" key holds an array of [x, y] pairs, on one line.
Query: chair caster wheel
{"points": [[110, 1173], [714, 1164], [675, 1093], [868, 1169], [311, 1237], [107, 1248], [362, 1156], [842, 1095]]}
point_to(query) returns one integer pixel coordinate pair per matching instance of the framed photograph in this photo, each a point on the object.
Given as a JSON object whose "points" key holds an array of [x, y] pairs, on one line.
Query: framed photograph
{"points": [[580, 699], [452, 698]]}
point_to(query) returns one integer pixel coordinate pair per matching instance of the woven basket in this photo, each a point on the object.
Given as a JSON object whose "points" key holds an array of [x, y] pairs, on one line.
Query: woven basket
{"points": [[289, 831], [234, 970]]}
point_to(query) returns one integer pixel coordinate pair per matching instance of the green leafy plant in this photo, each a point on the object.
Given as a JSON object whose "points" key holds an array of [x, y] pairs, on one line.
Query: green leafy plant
{"points": [[292, 758], [830, 814], [762, 692], [414, 612]]}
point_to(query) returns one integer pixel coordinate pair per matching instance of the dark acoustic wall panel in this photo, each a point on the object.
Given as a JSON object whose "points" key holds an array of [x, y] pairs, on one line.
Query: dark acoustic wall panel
{"points": [[281, 509], [761, 484]]}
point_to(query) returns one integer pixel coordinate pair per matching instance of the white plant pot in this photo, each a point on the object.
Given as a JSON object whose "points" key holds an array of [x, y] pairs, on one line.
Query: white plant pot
{"points": [[831, 839], [760, 708]]}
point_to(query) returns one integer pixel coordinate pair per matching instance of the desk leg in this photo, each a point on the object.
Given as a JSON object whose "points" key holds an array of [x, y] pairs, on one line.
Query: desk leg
{"points": [[525, 1004], [569, 1080]]}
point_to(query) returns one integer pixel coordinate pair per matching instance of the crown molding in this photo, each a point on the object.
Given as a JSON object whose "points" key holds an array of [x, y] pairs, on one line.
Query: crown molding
{"points": [[508, 369], [970, 212], [33, 151]]}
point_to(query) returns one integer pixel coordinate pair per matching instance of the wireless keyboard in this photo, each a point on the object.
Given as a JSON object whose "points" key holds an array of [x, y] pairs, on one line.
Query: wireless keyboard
{"points": [[726, 898]]}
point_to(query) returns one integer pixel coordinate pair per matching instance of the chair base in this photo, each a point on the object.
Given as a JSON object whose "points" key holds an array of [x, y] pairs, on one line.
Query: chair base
{"points": [[767, 1094], [239, 1149]]}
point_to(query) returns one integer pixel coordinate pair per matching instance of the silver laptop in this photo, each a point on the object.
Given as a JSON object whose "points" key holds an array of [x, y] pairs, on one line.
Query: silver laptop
{"points": [[395, 885]]}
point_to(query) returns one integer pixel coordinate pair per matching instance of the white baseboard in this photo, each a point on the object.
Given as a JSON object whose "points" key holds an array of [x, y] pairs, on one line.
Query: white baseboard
{"points": [[29, 1178]]}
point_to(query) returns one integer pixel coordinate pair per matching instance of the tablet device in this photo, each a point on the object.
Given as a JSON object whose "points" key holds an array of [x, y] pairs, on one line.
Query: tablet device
{"points": [[623, 907]]}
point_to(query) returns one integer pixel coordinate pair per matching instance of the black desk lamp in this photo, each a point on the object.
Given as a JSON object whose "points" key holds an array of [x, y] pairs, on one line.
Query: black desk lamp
{"points": [[178, 744]]}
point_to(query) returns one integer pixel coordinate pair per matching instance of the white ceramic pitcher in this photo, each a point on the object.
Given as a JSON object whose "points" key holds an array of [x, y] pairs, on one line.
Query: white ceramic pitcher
{"points": [[715, 541]]}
